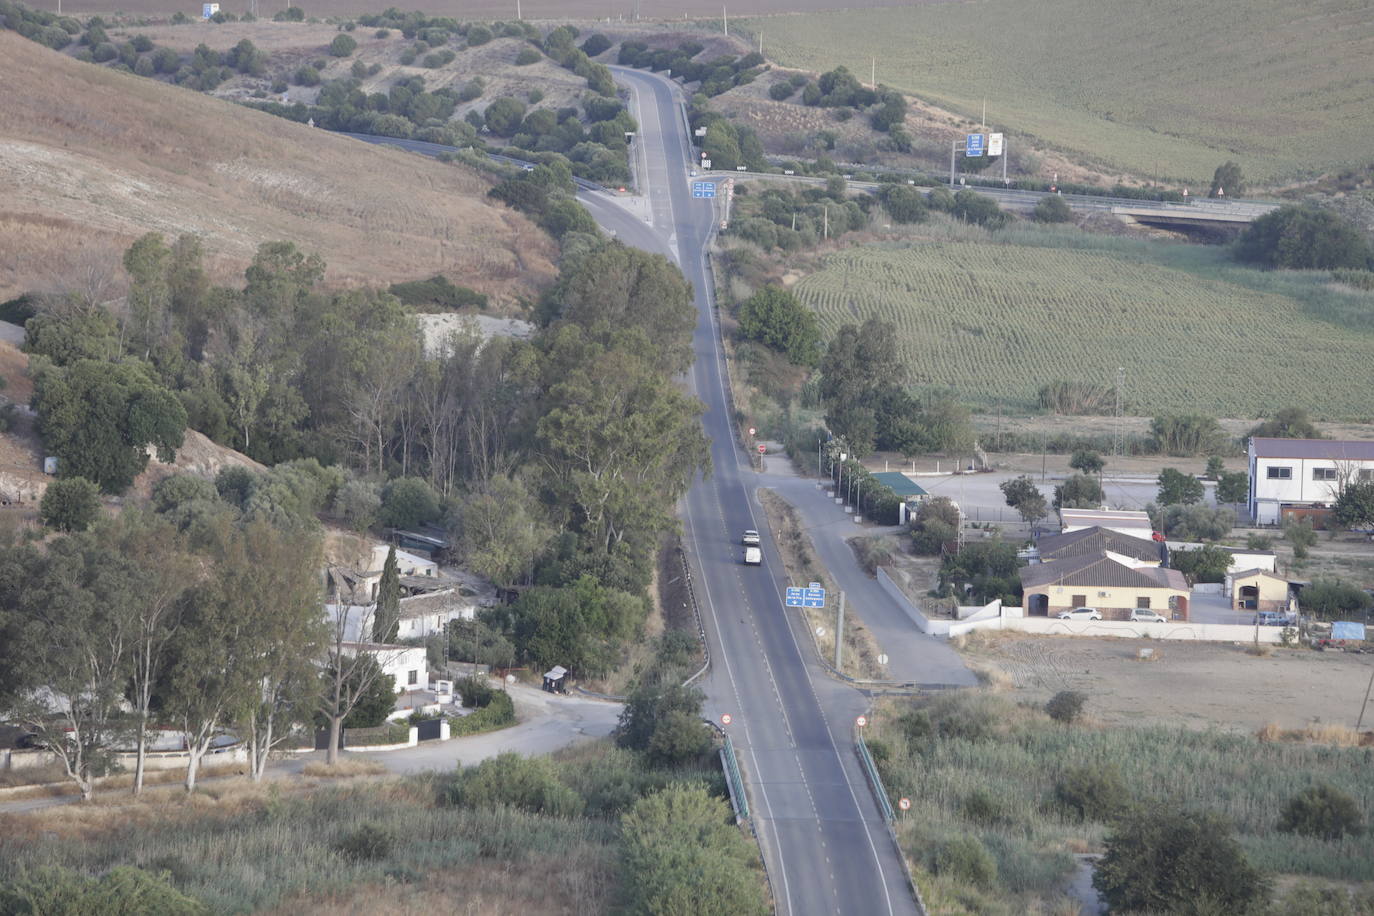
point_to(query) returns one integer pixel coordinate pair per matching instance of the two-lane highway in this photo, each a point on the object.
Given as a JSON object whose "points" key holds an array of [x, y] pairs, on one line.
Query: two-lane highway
{"points": [[824, 841]]}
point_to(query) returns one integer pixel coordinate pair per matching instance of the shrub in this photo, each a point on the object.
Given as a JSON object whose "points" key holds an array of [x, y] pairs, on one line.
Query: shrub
{"points": [[1092, 793], [382, 33], [1052, 209], [1177, 862], [1304, 237], [105, 51], [343, 45], [1066, 706], [478, 35], [290, 14], [497, 713], [122, 891], [528, 55], [472, 89], [306, 76], [1321, 811], [965, 858], [596, 44], [142, 43], [407, 502], [368, 843], [980, 807], [530, 784], [780, 91], [70, 504], [144, 67]]}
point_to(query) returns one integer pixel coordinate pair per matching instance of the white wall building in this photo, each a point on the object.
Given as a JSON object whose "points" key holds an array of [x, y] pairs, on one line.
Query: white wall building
{"points": [[406, 664], [1303, 474], [1130, 523]]}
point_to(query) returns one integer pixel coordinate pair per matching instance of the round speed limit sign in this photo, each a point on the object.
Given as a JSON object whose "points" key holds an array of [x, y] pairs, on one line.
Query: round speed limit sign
{"points": [[725, 719], [904, 804], [861, 721]]}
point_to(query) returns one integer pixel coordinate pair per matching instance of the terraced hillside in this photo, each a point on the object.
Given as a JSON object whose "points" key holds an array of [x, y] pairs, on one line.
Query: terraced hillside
{"points": [[997, 319], [1169, 88], [91, 159]]}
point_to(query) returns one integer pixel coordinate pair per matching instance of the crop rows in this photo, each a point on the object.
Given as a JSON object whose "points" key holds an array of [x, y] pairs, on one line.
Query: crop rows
{"points": [[995, 322]]}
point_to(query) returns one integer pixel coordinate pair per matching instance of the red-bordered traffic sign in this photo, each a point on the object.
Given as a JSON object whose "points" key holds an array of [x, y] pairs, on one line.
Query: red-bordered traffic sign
{"points": [[904, 804], [861, 721], [762, 448], [725, 718]]}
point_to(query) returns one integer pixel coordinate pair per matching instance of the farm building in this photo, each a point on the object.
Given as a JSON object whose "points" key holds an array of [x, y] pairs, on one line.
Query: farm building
{"points": [[907, 490], [1101, 582], [1303, 477], [1097, 541], [1259, 590]]}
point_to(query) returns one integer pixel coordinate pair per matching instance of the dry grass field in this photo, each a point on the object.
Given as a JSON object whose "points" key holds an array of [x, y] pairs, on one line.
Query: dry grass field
{"points": [[488, 9], [1170, 88], [92, 158]]}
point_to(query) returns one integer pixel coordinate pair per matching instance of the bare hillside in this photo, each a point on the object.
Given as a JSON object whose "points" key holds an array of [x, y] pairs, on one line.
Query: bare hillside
{"points": [[91, 158]]}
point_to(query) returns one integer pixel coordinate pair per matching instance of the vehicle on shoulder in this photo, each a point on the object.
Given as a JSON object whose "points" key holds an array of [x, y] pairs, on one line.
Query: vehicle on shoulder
{"points": [[1080, 613], [750, 537], [1145, 615], [753, 556]]}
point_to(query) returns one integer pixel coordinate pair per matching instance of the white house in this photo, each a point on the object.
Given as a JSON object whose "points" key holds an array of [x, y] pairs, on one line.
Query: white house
{"points": [[1241, 557], [1130, 523], [407, 664], [1288, 476]]}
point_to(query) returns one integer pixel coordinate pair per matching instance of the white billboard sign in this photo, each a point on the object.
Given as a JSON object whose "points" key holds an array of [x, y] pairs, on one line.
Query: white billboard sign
{"points": [[994, 144]]}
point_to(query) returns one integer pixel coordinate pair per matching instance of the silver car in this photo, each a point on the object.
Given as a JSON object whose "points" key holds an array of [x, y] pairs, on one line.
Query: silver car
{"points": [[1081, 613], [1144, 615]]}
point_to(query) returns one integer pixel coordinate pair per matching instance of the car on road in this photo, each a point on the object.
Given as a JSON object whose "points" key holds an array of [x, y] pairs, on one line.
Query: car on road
{"points": [[1080, 613], [750, 537], [753, 556], [1141, 615]]}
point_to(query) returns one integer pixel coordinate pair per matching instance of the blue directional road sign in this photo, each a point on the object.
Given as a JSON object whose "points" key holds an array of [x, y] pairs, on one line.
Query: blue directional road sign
{"points": [[976, 146], [806, 597], [703, 189]]}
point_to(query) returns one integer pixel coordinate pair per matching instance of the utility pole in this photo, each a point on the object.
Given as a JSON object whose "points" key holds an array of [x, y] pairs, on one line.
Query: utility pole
{"points": [[825, 211], [984, 120], [873, 72], [517, 10], [839, 632], [760, 44], [725, 21], [953, 148], [1119, 439]]}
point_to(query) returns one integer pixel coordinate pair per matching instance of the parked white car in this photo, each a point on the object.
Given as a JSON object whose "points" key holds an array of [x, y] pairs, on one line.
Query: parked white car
{"points": [[1081, 613], [1141, 615]]}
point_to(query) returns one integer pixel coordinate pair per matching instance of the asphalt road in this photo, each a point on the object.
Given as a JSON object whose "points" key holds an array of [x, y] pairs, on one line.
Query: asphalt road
{"points": [[824, 841]]}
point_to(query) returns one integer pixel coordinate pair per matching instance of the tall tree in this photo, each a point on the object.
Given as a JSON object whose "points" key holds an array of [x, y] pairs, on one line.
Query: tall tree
{"points": [[68, 649], [149, 294], [1087, 461], [859, 362], [165, 571], [501, 531], [1078, 492], [386, 619], [350, 674], [1227, 180], [1025, 497], [1176, 487]]}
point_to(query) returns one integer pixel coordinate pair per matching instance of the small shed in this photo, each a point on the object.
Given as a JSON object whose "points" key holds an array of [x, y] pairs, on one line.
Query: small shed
{"points": [[554, 679], [1259, 590], [907, 490]]}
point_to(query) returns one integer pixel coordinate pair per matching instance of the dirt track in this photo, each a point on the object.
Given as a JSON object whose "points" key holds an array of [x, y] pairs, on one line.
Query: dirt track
{"points": [[1192, 684]]}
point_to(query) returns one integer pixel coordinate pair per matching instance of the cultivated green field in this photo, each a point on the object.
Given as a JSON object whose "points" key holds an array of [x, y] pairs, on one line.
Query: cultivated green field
{"points": [[996, 316], [1172, 87]]}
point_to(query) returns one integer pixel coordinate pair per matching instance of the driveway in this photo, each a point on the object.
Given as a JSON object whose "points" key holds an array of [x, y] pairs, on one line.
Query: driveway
{"points": [[548, 722], [913, 657]]}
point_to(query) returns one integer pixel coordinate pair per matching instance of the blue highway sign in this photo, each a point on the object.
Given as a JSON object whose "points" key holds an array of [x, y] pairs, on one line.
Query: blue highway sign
{"points": [[703, 189], [805, 597], [975, 146]]}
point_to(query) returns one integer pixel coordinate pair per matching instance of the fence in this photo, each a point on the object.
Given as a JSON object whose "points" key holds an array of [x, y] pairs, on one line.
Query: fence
{"points": [[889, 816]]}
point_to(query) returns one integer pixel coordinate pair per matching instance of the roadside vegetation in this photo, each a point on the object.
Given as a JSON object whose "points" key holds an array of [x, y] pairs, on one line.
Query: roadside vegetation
{"points": [[602, 826], [1002, 795]]}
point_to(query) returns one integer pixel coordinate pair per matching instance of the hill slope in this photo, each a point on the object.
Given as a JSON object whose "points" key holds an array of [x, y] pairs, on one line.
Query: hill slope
{"points": [[91, 159], [1168, 88]]}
